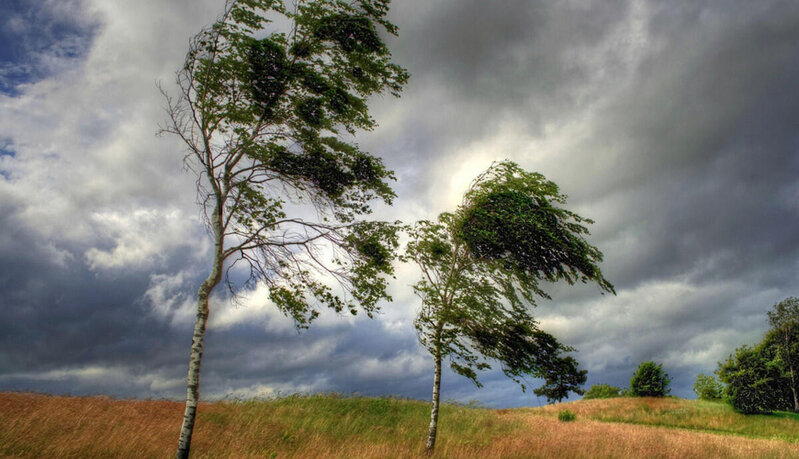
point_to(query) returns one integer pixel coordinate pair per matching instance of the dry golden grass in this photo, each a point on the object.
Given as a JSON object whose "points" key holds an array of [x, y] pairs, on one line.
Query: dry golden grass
{"points": [[707, 416], [546, 437], [334, 427]]}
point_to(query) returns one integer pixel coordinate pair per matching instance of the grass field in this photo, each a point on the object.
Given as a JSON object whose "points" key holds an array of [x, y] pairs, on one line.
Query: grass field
{"points": [[331, 426], [716, 417]]}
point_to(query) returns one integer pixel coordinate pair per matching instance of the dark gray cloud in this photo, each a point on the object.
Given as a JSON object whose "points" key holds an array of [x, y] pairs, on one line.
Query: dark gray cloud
{"points": [[672, 125]]}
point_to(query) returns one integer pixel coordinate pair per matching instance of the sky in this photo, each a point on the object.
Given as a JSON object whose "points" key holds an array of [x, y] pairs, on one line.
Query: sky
{"points": [[673, 125]]}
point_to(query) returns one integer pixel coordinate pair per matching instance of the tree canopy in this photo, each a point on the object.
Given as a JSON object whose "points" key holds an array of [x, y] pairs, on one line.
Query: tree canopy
{"points": [[752, 385], [762, 378], [262, 117], [268, 101], [603, 391], [482, 270], [707, 387], [649, 380], [784, 320]]}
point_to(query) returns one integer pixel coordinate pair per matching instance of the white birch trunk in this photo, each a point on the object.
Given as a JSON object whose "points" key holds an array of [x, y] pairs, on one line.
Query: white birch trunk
{"points": [[431, 434], [193, 379]]}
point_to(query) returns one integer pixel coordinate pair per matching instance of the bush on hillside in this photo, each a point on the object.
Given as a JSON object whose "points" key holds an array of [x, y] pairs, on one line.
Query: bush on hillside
{"points": [[602, 391], [707, 387], [754, 384], [566, 416], [650, 380]]}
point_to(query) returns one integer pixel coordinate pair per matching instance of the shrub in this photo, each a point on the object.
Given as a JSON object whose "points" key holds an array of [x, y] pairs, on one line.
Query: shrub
{"points": [[602, 391], [707, 387], [650, 381], [754, 384], [566, 416]]}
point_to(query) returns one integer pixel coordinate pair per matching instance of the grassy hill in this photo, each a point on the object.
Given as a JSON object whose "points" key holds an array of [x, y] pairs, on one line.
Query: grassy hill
{"points": [[331, 426]]}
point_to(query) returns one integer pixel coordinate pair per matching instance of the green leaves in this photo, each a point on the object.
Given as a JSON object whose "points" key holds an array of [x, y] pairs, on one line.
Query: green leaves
{"points": [[649, 380], [752, 386], [352, 33], [269, 74], [602, 391], [266, 93], [508, 218], [762, 378], [707, 387], [481, 268]]}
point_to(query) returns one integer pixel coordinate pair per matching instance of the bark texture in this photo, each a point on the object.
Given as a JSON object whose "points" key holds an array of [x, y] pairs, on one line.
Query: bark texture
{"points": [[193, 379], [431, 433]]}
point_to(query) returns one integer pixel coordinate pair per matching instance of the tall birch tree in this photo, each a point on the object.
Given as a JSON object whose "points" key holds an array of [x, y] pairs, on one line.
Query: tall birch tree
{"points": [[482, 267], [269, 100]]}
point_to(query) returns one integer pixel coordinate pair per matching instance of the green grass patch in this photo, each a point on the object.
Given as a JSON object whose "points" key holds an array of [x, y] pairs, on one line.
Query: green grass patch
{"points": [[566, 416], [339, 419]]}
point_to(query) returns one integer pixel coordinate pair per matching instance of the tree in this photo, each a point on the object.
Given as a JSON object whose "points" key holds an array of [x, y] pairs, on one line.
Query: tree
{"points": [[649, 380], [481, 269], [753, 384], [784, 320], [707, 387], [560, 378], [268, 116], [602, 391], [762, 378]]}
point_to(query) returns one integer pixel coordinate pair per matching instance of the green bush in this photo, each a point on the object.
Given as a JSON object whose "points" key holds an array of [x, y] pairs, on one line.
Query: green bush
{"points": [[650, 380], [707, 387], [566, 416], [754, 384], [602, 391]]}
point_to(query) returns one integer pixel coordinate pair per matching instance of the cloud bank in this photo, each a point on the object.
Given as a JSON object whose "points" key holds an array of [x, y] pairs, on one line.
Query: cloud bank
{"points": [[672, 125]]}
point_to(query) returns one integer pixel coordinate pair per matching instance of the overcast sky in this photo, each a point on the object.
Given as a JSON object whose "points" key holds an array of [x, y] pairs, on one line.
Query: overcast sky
{"points": [[674, 125]]}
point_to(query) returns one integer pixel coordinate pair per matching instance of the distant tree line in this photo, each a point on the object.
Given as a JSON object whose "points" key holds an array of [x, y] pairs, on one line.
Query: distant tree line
{"points": [[649, 380]]}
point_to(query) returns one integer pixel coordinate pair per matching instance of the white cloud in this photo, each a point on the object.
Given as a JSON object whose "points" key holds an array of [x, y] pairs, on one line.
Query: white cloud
{"points": [[169, 298], [402, 365], [142, 238]]}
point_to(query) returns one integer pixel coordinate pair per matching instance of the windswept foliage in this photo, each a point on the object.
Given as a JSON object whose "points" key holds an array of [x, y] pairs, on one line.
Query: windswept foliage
{"points": [[269, 98], [482, 268]]}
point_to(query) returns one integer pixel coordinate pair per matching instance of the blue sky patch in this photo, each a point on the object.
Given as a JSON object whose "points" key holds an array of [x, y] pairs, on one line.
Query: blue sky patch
{"points": [[31, 36]]}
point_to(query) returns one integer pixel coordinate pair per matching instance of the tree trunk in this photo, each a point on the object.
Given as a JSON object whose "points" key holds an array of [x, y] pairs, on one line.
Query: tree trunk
{"points": [[793, 388], [193, 379], [790, 369], [431, 434]]}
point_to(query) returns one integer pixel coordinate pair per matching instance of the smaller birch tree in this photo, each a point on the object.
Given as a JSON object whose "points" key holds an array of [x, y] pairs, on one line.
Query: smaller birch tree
{"points": [[481, 268]]}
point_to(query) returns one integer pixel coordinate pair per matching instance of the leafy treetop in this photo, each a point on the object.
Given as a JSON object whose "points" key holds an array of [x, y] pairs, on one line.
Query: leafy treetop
{"points": [[481, 268], [268, 117], [650, 380]]}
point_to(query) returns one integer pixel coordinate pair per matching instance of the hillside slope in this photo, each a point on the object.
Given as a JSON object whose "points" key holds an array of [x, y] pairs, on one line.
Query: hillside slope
{"points": [[331, 426]]}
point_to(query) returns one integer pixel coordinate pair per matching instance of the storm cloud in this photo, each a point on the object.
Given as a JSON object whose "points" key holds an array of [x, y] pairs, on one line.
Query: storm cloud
{"points": [[673, 125]]}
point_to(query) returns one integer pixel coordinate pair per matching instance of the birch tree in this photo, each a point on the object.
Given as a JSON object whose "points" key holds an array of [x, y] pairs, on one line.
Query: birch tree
{"points": [[269, 100], [481, 271]]}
